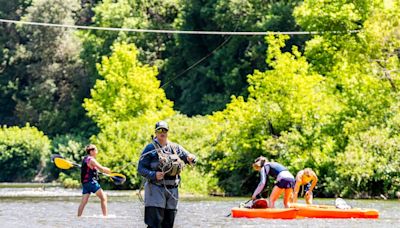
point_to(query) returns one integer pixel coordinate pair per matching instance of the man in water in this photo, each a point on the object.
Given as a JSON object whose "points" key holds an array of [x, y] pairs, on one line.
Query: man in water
{"points": [[160, 163]]}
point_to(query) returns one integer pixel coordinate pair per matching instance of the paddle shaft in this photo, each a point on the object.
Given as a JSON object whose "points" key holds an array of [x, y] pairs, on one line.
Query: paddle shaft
{"points": [[79, 166], [75, 165]]}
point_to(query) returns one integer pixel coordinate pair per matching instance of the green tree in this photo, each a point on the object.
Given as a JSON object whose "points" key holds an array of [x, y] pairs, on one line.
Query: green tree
{"points": [[369, 89], [223, 73], [373, 156], [129, 89], [138, 14], [288, 100], [219, 76], [329, 109], [10, 69], [334, 19], [351, 99], [54, 83], [126, 104]]}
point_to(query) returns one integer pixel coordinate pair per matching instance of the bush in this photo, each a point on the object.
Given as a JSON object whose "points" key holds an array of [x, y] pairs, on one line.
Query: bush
{"points": [[23, 152], [369, 166], [69, 182], [196, 182]]}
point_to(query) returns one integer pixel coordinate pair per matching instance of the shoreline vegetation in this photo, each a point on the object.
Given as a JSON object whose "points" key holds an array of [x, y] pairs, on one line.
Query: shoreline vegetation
{"points": [[328, 100]]}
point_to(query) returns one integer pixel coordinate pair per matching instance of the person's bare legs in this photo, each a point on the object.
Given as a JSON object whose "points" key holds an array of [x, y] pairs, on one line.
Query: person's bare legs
{"points": [[103, 200], [308, 197], [84, 201], [291, 198], [276, 192], [287, 197]]}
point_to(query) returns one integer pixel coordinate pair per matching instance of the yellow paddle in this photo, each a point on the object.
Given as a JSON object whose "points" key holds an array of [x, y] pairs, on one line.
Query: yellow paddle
{"points": [[117, 178], [62, 163]]}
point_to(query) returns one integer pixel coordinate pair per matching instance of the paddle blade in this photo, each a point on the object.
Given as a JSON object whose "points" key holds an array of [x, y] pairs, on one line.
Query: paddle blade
{"points": [[53, 156], [117, 178], [62, 163]]}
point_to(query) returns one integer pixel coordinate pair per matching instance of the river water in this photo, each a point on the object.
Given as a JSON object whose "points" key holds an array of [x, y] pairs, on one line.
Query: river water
{"points": [[57, 207]]}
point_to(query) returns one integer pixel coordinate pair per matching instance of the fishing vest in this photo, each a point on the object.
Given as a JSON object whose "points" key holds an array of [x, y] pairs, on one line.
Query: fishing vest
{"points": [[169, 163], [88, 174], [275, 168]]}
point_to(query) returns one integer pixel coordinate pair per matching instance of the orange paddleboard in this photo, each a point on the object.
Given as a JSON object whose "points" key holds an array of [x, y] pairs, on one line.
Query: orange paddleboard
{"points": [[327, 211], [269, 213]]}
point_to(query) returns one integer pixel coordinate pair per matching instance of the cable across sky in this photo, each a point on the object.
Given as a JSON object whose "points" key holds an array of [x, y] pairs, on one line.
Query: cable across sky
{"points": [[82, 27]]}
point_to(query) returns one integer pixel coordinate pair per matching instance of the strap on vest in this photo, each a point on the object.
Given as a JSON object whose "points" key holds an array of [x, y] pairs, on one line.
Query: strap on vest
{"points": [[163, 157], [159, 149], [169, 183]]}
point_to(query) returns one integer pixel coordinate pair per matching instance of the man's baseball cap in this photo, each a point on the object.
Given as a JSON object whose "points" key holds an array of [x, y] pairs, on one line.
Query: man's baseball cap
{"points": [[162, 125]]}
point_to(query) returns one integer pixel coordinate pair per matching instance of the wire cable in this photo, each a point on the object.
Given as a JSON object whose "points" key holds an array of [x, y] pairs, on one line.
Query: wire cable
{"points": [[234, 33], [172, 31], [197, 62], [202, 59]]}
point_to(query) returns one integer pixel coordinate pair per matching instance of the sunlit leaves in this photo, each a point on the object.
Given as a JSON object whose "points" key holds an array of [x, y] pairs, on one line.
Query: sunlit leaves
{"points": [[129, 89], [327, 15]]}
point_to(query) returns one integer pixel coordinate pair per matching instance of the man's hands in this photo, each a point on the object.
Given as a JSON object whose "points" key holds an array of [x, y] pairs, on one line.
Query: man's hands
{"points": [[191, 159], [159, 175]]}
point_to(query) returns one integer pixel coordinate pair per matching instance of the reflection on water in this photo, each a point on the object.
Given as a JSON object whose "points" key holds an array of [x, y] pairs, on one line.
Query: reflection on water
{"points": [[57, 207]]}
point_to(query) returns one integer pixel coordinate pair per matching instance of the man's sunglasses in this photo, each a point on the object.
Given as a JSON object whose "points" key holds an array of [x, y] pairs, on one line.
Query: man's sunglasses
{"points": [[161, 130]]}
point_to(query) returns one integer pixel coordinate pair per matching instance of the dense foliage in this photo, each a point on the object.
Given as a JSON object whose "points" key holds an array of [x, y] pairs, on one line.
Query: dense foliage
{"points": [[328, 101], [208, 86], [44, 78], [23, 153]]}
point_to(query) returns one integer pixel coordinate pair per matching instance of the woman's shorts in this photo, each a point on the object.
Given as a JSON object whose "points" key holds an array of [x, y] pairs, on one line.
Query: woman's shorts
{"points": [[90, 187], [286, 183], [307, 187]]}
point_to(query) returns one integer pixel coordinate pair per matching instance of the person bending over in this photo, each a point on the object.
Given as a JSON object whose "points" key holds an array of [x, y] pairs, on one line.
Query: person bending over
{"points": [[307, 178], [285, 180]]}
